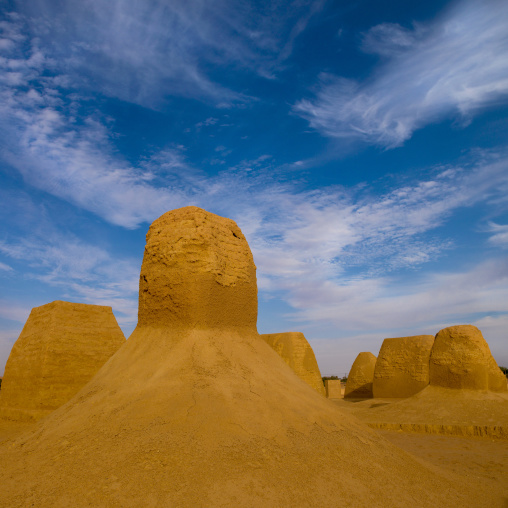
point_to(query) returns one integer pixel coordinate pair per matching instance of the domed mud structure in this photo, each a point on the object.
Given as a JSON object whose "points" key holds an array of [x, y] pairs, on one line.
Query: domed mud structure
{"points": [[461, 358], [360, 377], [402, 367], [197, 410], [296, 351]]}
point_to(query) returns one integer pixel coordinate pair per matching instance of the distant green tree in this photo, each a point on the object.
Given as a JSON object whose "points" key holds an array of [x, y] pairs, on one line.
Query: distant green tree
{"points": [[504, 370]]}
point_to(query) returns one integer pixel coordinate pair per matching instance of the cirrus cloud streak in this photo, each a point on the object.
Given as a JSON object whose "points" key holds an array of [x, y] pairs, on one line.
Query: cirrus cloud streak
{"points": [[450, 69]]}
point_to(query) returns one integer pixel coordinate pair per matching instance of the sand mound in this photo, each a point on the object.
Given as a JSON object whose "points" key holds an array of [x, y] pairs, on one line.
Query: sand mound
{"points": [[402, 367], [197, 410], [61, 347], [294, 349], [461, 358], [359, 380]]}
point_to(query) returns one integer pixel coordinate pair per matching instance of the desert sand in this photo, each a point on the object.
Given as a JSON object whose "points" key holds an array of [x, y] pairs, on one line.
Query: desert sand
{"points": [[473, 458], [464, 432], [438, 410], [468, 458], [195, 409]]}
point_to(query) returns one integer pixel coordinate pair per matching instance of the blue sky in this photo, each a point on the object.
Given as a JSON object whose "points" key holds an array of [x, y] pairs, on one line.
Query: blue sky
{"points": [[361, 147]]}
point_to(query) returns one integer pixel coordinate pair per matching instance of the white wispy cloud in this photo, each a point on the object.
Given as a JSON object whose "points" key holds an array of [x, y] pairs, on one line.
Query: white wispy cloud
{"points": [[54, 256], [324, 230], [499, 236], [72, 157], [386, 304], [329, 230], [391, 39], [143, 52], [73, 166], [111, 282], [450, 69], [65, 257]]}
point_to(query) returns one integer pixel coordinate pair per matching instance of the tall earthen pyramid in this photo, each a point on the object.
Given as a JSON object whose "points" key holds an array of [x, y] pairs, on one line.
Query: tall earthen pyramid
{"points": [[197, 410], [61, 347]]}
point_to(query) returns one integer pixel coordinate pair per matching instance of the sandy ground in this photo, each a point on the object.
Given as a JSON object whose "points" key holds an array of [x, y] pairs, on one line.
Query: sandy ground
{"points": [[9, 430], [438, 411], [475, 458]]}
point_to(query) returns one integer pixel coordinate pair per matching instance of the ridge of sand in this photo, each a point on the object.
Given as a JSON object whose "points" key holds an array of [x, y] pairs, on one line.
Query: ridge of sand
{"points": [[197, 410], [437, 410]]}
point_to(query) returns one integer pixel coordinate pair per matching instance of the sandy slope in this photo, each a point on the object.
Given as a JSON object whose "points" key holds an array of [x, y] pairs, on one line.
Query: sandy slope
{"points": [[471, 458]]}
